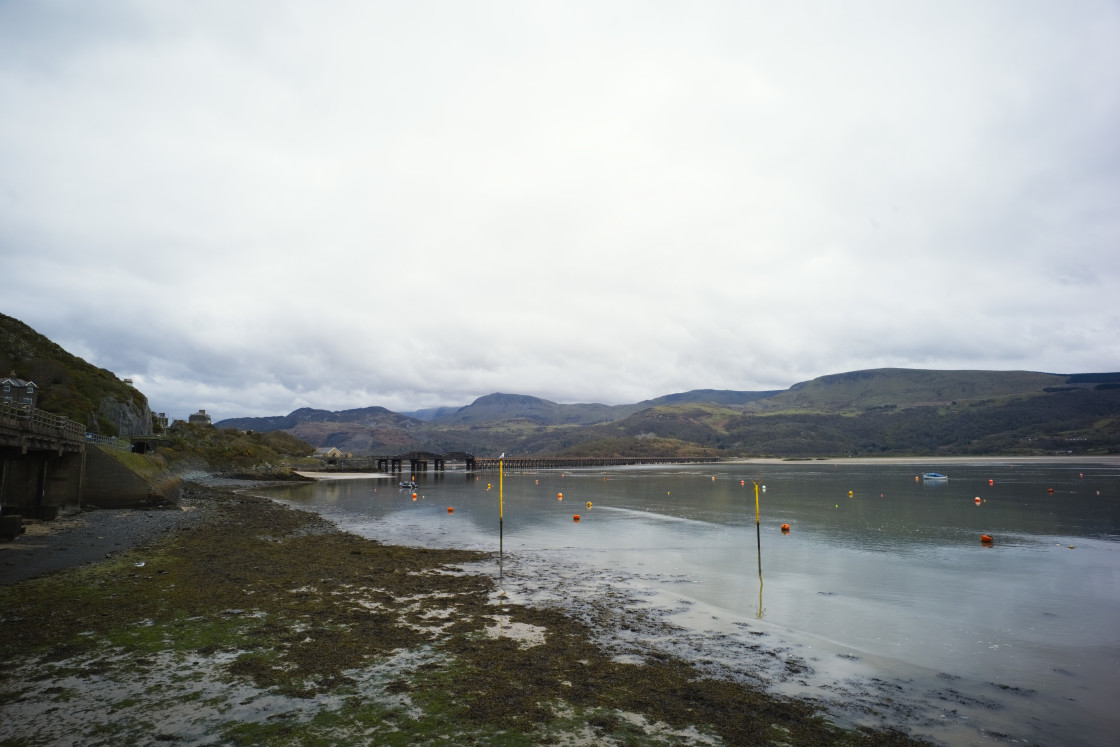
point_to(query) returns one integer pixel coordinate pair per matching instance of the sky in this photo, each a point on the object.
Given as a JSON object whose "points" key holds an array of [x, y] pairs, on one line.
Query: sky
{"points": [[258, 206]]}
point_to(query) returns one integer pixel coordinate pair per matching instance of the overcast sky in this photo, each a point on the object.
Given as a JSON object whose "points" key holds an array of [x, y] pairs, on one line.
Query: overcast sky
{"points": [[251, 207]]}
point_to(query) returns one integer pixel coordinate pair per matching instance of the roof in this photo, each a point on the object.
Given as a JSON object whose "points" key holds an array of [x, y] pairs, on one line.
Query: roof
{"points": [[16, 381]]}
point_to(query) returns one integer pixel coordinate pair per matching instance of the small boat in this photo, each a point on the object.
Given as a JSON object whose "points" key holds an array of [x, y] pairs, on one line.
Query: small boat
{"points": [[934, 476], [411, 484]]}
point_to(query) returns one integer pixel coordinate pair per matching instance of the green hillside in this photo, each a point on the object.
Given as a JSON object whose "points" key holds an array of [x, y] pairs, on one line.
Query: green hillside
{"points": [[67, 384], [858, 391]]}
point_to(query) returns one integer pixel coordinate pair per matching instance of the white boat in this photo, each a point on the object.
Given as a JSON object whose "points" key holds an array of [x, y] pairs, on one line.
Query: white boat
{"points": [[934, 476]]}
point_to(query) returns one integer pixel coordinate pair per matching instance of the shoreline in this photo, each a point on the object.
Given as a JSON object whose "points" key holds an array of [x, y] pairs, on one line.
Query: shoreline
{"points": [[979, 460], [250, 602]]}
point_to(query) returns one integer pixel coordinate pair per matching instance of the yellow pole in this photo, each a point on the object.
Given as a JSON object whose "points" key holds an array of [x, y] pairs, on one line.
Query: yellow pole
{"points": [[758, 534], [757, 518], [501, 508]]}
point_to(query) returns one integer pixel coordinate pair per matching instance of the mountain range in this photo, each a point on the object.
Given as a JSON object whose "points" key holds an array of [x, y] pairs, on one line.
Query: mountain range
{"points": [[887, 411]]}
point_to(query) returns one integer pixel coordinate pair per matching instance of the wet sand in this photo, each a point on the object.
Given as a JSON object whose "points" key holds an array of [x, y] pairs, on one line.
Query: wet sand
{"points": [[241, 620], [85, 536]]}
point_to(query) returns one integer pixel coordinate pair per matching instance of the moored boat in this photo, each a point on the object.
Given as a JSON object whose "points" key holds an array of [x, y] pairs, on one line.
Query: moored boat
{"points": [[934, 476]]}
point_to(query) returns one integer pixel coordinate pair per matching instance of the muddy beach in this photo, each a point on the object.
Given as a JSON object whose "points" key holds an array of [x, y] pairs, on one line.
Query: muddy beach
{"points": [[236, 620]]}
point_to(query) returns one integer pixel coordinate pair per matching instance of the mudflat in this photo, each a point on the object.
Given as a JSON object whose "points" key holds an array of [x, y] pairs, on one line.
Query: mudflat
{"points": [[234, 619]]}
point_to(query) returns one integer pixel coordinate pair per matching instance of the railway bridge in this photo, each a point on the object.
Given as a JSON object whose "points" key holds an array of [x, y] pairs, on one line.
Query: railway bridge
{"points": [[42, 464], [422, 461]]}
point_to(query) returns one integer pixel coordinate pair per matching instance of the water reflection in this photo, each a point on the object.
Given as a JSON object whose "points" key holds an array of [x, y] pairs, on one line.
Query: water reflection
{"points": [[875, 562]]}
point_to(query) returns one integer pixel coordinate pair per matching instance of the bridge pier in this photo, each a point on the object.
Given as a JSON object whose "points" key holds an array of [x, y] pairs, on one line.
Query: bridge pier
{"points": [[40, 483]]}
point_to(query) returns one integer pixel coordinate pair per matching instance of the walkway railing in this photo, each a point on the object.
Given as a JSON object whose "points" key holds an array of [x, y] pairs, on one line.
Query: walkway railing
{"points": [[19, 421], [36, 421], [112, 441]]}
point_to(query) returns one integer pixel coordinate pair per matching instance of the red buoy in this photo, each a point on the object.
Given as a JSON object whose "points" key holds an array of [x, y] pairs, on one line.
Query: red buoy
{"points": [[976, 500], [559, 496], [450, 510], [986, 539], [785, 528], [575, 517]]}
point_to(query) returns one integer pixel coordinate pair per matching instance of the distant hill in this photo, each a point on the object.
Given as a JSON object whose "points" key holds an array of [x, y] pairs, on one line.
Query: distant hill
{"points": [[432, 413], [497, 408], [857, 391], [372, 417], [714, 396], [70, 386]]}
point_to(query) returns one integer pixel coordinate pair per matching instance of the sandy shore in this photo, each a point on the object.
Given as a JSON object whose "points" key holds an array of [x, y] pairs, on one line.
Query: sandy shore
{"points": [[933, 461], [239, 620]]}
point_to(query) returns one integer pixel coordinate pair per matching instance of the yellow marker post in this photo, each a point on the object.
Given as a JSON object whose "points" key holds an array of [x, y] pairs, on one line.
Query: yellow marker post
{"points": [[501, 510], [758, 531]]}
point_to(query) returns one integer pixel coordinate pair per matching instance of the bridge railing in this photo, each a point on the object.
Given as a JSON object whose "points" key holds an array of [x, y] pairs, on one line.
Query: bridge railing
{"points": [[112, 441], [43, 423]]}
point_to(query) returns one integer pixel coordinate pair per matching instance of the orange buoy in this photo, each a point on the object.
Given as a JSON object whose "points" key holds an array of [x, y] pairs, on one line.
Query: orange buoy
{"points": [[986, 539], [850, 494], [575, 517], [559, 496], [1050, 490], [976, 500], [414, 495], [713, 478], [785, 528], [538, 482], [450, 510]]}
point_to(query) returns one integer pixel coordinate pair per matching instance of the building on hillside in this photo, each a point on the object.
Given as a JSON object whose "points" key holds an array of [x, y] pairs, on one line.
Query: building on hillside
{"points": [[19, 392], [329, 452], [199, 418]]}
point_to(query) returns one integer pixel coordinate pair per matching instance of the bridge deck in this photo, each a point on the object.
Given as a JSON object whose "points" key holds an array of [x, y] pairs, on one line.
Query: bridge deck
{"points": [[28, 428]]}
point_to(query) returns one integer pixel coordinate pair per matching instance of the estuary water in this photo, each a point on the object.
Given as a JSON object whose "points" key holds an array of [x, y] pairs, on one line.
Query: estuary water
{"points": [[881, 601]]}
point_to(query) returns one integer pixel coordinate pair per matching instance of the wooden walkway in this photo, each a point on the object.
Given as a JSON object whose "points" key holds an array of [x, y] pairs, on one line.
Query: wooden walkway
{"points": [[31, 429]]}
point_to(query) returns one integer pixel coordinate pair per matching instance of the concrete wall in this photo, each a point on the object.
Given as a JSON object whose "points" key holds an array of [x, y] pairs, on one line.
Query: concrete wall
{"points": [[120, 479], [40, 483]]}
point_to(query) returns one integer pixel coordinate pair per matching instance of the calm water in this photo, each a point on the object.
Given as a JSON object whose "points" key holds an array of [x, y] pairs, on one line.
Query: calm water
{"points": [[884, 593]]}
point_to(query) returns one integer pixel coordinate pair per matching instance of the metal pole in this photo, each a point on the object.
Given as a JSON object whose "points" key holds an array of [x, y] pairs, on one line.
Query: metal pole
{"points": [[758, 530], [501, 511]]}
